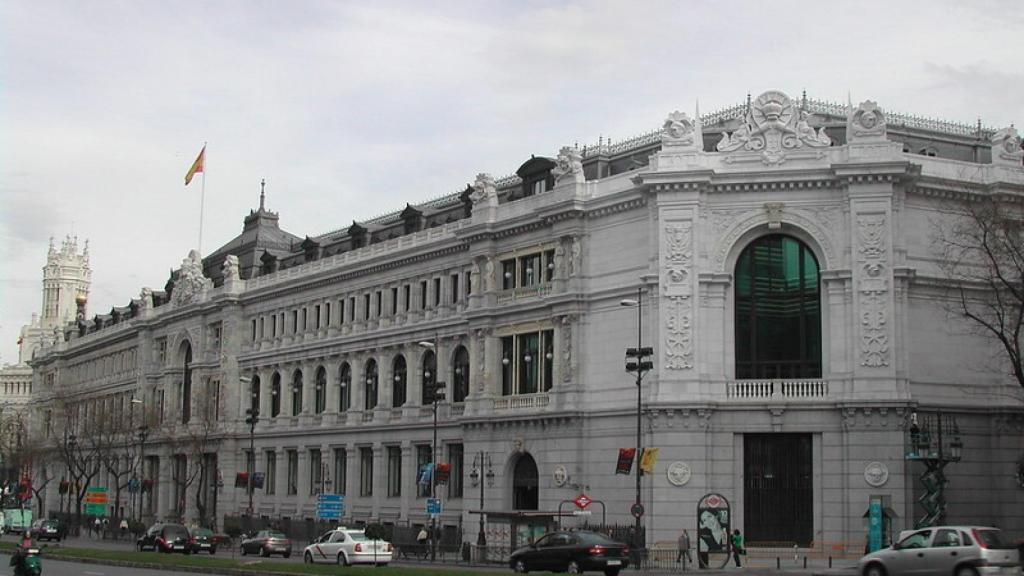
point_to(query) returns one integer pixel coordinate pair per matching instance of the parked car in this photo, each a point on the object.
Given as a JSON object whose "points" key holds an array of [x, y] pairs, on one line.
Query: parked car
{"points": [[573, 552], [267, 542], [953, 550], [202, 540], [47, 530], [165, 538], [347, 546]]}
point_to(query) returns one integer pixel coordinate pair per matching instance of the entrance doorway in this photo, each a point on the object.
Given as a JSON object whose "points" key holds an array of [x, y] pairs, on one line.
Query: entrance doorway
{"points": [[778, 494], [524, 484]]}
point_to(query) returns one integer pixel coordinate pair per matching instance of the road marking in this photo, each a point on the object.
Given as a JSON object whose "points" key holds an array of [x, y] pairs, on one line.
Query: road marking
{"points": [[94, 573]]}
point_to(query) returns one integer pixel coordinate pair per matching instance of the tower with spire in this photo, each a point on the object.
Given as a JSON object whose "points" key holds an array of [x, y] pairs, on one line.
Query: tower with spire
{"points": [[66, 281]]}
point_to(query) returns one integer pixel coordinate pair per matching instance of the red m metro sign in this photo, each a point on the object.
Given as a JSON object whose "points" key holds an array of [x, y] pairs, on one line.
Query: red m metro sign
{"points": [[582, 501]]}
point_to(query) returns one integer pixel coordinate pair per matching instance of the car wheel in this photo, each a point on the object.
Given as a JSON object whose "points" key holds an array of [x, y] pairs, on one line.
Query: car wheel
{"points": [[307, 558], [966, 571], [611, 572], [874, 570], [244, 551], [342, 559], [519, 567], [264, 552], [287, 554], [573, 567], [213, 550]]}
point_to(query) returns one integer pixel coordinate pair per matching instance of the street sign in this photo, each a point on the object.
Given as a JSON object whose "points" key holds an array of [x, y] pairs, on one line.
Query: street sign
{"points": [[582, 501], [330, 506], [96, 500], [433, 505], [637, 510]]}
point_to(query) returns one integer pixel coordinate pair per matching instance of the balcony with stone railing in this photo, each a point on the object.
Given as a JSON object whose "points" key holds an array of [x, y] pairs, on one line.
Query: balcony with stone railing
{"points": [[521, 402], [805, 389]]}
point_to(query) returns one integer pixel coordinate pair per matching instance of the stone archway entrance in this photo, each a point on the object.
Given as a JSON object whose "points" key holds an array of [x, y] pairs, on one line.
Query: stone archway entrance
{"points": [[525, 494]]}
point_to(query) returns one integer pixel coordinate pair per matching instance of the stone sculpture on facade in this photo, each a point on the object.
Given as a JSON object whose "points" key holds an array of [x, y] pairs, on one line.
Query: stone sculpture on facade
{"points": [[1006, 148], [191, 283], [230, 268], [678, 130], [569, 166], [484, 191], [772, 126], [867, 122]]}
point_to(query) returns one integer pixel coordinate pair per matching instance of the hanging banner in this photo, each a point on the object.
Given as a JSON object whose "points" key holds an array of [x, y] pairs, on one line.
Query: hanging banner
{"points": [[257, 480], [650, 456], [625, 463], [241, 480]]}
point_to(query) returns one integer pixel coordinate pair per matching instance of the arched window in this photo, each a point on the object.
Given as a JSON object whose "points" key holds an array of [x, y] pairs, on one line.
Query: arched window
{"points": [[371, 385], [320, 395], [429, 374], [524, 484], [778, 310], [254, 393], [186, 383], [398, 391], [297, 393], [275, 395], [460, 374], [345, 385]]}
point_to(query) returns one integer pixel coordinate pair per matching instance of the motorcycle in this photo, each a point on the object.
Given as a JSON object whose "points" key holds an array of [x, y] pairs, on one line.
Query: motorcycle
{"points": [[27, 562]]}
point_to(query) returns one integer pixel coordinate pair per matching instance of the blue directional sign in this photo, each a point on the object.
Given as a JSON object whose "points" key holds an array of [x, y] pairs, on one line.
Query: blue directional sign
{"points": [[433, 505], [330, 506]]}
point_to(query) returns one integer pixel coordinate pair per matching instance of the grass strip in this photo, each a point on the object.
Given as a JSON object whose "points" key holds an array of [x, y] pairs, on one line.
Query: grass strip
{"points": [[156, 560]]}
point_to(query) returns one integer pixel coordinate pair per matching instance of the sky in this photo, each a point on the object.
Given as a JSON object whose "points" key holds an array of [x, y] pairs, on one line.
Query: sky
{"points": [[350, 110]]}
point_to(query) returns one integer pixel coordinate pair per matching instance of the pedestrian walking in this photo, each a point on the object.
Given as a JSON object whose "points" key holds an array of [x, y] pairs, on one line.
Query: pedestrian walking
{"points": [[684, 549], [124, 528], [97, 527], [737, 546]]}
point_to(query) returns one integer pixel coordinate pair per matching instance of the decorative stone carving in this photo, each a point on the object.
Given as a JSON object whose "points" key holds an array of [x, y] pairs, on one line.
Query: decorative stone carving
{"points": [[559, 272], [568, 166], [576, 256], [772, 126], [489, 274], [873, 287], [145, 301], [774, 212], [678, 130], [1006, 148], [474, 276], [484, 191], [678, 288], [567, 368], [678, 473], [191, 283], [866, 123], [560, 475], [230, 268], [876, 474]]}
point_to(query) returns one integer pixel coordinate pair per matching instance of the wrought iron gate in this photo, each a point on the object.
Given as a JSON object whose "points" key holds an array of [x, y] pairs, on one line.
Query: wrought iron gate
{"points": [[778, 495]]}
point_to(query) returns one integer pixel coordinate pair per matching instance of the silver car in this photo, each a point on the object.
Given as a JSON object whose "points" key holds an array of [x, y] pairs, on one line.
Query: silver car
{"points": [[945, 550]]}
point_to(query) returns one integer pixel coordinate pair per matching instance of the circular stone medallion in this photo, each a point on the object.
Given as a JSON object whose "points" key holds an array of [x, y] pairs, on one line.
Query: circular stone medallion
{"points": [[876, 474], [678, 473]]}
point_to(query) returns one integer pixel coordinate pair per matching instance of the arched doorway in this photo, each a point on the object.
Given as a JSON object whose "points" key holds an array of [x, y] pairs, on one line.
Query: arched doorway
{"points": [[525, 494]]}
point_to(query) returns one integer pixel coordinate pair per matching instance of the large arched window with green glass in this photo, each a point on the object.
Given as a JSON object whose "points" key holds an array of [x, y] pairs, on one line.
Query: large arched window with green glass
{"points": [[778, 310]]}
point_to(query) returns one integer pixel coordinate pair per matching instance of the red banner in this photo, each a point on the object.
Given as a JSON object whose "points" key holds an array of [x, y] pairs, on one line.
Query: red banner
{"points": [[625, 463]]}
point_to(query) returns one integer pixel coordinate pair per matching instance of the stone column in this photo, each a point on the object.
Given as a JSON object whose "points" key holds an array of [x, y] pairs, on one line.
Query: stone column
{"points": [[333, 367], [408, 472], [380, 478]]}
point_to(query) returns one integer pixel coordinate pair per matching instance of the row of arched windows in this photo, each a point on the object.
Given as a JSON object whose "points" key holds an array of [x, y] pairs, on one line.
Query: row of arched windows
{"points": [[457, 386]]}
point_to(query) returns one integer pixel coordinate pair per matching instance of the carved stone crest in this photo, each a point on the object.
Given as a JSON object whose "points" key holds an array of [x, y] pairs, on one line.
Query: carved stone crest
{"points": [[876, 474], [678, 130], [867, 122], [679, 473], [569, 166], [772, 126], [1006, 148]]}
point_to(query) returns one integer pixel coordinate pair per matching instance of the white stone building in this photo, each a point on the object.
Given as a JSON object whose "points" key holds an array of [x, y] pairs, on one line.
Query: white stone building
{"points": [[782, 253]]}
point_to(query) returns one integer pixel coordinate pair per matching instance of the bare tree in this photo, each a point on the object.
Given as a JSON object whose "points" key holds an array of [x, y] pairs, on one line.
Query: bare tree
{"points": [[983, 257], [194, 445]]}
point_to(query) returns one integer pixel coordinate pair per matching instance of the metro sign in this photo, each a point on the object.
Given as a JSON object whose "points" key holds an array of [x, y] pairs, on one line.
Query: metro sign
{"points": [[582, 501]]}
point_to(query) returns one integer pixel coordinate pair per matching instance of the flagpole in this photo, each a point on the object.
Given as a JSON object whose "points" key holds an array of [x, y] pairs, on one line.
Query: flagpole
{"points": [[202, 202]]}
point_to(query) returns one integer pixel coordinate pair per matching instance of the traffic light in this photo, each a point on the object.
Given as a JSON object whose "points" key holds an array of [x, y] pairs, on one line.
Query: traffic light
{"points": [[434, 392], [252, 416], [635, 359]]}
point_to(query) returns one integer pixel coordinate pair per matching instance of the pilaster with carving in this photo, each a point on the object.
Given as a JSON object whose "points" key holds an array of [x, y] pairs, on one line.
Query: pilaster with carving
{"points": [[677, 292], [566, 358], [873, 274]]}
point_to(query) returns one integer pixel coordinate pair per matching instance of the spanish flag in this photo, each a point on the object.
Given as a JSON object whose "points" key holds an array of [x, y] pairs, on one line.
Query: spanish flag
{"points": [[197, 166]]}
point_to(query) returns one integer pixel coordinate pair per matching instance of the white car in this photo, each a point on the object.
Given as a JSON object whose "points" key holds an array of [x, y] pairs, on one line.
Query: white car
{"points": [[347, 546]]}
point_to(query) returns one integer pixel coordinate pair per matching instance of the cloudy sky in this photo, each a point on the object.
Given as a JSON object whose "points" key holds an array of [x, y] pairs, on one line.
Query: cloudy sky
{"points": [[351, 109]]}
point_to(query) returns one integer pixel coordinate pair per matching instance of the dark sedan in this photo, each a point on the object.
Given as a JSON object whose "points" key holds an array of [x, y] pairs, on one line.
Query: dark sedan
{"points": [[47, 530], [267, 542], [202, 540], [165, 538], [573, 552]]}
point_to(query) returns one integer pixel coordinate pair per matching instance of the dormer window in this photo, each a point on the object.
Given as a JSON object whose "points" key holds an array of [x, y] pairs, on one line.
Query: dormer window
{"points": [[536, 175], [539, 187]]}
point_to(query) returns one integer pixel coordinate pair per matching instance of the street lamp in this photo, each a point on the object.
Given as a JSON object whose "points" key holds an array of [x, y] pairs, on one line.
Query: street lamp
{"points": [[252, 416], [434, 392], [935, 443], [137, 496], [636, 363], [480, 461]]}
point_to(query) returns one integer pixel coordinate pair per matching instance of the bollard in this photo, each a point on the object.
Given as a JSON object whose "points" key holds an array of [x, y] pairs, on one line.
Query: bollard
{"points": [[805, 562], [778, 563], [829, 561]]}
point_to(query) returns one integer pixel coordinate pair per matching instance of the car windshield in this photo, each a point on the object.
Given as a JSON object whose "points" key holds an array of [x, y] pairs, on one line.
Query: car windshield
{"points": [[595, 538], [175, 532], [273, 534], [992, 539]]}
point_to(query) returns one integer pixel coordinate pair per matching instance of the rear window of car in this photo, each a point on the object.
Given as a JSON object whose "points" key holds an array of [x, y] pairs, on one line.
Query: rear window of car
{"points": [[203, 532], [992, 539], [273, 534], [358, 536], [175, 531], [595, 538]]}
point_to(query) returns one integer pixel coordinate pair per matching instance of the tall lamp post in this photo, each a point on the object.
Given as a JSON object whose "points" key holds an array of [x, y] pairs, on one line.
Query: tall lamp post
{"points": [[481, 461], [935, 442], [434, 390], [637, 363], [252, 416], [131, 432]]}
